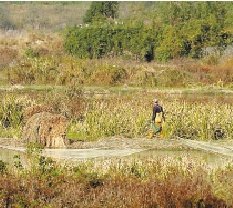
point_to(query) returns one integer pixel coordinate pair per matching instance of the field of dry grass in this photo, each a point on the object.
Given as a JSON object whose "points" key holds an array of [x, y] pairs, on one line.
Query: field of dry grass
{"points": [[94, 116], [157, 183]]}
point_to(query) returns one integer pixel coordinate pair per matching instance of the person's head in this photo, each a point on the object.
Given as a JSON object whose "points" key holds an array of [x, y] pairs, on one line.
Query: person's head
{"points": [[156, 102]]}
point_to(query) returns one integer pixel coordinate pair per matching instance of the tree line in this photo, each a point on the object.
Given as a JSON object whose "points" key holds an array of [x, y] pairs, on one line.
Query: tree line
{"points": [[170, 30]]}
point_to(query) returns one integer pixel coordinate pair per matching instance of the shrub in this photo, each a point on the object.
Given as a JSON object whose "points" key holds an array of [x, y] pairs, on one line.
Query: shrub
{"points": [[31, 53], [97, 41]]}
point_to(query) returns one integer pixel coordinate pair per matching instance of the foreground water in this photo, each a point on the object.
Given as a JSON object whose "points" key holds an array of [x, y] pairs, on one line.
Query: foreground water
{"points": [[74, 156]]}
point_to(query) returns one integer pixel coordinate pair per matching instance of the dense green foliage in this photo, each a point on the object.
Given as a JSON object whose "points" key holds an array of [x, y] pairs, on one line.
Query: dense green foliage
{"points": [[189, 27], [100, 11], [175, 29], [109, 40]]}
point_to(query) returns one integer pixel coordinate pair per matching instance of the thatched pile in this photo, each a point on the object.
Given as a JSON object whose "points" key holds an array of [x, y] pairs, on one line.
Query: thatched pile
{"points": [[46, 128], [30, 111]]}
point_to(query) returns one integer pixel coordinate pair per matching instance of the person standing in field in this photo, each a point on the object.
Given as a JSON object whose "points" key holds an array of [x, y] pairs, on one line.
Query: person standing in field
{"points": [[157, 118]]}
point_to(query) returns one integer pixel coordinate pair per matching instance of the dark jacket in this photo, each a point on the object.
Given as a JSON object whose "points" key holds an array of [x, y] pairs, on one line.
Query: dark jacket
{"points": [[157, 109]]}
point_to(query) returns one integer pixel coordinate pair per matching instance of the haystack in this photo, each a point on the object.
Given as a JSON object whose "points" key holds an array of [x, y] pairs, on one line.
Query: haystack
{"points": [[46, 128], [30, 111]]}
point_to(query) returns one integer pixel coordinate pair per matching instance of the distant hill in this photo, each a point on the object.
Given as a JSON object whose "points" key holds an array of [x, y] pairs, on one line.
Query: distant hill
{"points": [[41, 15], [54, 16]]}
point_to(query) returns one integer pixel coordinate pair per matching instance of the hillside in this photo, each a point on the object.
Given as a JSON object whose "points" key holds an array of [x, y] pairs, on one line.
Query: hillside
{"points": [[57, 15], [37, 39], [41, 15]]}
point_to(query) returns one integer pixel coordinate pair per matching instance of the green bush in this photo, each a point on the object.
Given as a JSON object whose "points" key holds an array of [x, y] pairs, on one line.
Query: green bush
{"points": [[2, 167], [101, 40], [31, 53]]}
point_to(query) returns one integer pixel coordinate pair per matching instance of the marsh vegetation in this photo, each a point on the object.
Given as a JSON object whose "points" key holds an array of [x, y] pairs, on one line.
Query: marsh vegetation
{"points": [[92, 117], [178, 182], [100, 65]]}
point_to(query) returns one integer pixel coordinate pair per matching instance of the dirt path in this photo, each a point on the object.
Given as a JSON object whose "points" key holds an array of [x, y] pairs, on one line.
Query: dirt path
{"points": [[110, 90]]}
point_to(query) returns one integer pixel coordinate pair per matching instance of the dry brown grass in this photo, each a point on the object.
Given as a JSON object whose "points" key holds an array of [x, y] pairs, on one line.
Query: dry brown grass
{"points": [[7, 55], [183, 189], [45, 16], [30, 111]]}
